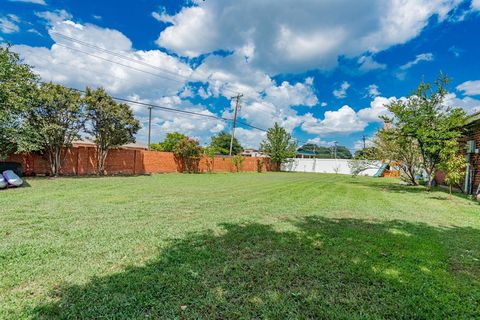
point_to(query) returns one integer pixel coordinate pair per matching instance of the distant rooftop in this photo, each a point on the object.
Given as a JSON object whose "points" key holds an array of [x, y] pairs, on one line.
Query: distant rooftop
{"points": [[90, 143], [473, 118], [306, 153]]}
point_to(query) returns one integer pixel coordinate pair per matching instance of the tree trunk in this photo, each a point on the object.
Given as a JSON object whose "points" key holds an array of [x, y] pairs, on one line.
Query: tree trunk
{"points": [[51, 162], [54, 161], [430, 178], [58, 160], [101, 157]]}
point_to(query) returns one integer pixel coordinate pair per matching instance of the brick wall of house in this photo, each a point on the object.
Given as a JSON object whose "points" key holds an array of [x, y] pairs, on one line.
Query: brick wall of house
{"points": [[473, 134], [82, 161], [475, 159]]}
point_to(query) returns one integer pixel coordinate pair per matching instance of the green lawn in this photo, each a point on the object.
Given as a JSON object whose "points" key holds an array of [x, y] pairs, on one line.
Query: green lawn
{"points": [[276, 245]]}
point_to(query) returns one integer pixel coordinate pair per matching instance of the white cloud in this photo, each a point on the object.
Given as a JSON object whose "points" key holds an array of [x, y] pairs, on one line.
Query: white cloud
{"points": [[35, 31], [8, 24], [264, 102], [249, 138], [292, 95], [162, 16], [341, 92], [419, 58], [74, 69], [359, 144], [469, 104], [475, 4], [457, 52], [319, 142], [367, 63], [205, 94], [470, 88], [40, 2], [401, 74], [53, 17], [13, 17], [377, 108], [301, 36], [373, 90], [324, 104], [163, 122], [343, 121], [61, 64], [346, 120]]}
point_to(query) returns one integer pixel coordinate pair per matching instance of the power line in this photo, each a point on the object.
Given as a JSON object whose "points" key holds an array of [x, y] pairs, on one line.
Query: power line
{"points": [[185, 112], [153, 74], [150, 105], [119, 63], [119, 55], [78, 41], [122, 56]]}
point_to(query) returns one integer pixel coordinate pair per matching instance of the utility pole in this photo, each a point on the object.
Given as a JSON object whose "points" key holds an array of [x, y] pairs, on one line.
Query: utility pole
{"points": [[335, 149], [364, 138], [237, 107], [149, 125]]}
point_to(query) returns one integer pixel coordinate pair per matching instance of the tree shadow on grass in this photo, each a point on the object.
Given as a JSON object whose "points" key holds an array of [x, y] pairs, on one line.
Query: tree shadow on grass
{"points": [[326, 268], [395, 187]]}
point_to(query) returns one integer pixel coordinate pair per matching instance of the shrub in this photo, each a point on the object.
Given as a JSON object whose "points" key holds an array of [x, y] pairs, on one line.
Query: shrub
{"points": [[187, 152], [238, 162], [260, 164], [210, 153]]}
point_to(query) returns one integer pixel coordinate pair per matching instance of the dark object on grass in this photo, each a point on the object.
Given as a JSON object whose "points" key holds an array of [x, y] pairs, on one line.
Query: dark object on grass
{"points": [[14, 166]]}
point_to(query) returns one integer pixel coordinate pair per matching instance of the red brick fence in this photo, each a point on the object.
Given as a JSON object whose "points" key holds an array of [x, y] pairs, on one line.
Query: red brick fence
{"points": [[82, 161]]}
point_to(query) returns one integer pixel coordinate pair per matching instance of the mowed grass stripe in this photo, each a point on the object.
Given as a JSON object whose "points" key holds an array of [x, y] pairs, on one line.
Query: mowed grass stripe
{"points": [[270, 245]]}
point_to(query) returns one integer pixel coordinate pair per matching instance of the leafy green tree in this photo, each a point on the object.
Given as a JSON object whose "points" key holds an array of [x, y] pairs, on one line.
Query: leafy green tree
{"points": [[392, 145], [57, 120], [425, 118], [18, 90], [278, 145], [156, 147], [369, 153], [221, 143], [110, 124], [453, 163], [188, 153], [343, 153], [171, 140]]}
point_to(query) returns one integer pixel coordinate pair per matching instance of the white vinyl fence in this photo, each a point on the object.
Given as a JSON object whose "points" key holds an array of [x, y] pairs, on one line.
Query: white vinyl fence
{"points": [[326, 166]]}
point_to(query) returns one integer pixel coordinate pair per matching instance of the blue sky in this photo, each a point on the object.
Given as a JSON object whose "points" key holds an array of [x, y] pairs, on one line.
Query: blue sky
{"points": [[323, 69]]}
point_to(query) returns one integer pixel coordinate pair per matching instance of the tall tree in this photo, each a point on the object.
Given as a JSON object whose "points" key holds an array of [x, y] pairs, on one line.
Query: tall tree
{"points": [[221, 143], [278, 145], [425, 118], [57, 120], [18, 87], [392, 145], [453, 164], [188, 152], [110, 124], [171, 140]]}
